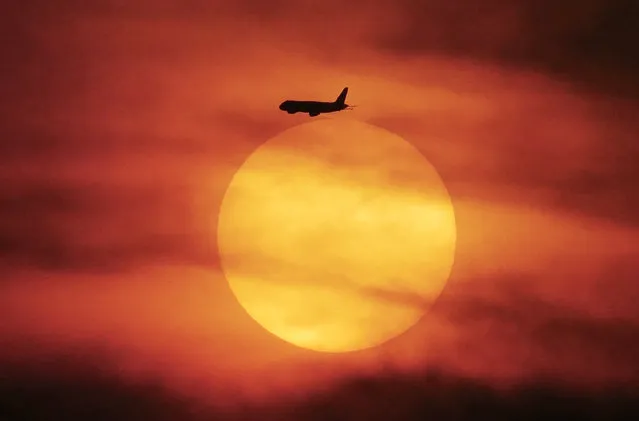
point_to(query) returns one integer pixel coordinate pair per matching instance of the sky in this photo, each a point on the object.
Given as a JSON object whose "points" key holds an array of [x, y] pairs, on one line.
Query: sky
{"points": [[123, 123]]}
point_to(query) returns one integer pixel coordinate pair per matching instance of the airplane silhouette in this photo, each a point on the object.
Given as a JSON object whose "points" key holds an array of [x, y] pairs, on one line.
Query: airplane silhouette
{"points": [[315, 108]]}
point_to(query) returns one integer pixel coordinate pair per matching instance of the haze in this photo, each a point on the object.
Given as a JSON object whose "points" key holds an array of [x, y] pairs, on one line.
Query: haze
{"points": [[122, 124]]}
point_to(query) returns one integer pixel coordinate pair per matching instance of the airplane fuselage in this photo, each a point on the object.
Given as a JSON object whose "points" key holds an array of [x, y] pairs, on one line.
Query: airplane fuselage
{"points": [[313, 108]]}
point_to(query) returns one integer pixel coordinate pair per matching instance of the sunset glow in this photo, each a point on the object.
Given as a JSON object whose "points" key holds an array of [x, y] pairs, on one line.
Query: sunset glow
{"points": [[461, 244]]}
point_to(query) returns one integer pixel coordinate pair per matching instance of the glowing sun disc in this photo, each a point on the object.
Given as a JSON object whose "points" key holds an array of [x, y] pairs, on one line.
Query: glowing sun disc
{"points": [[336, 235]]}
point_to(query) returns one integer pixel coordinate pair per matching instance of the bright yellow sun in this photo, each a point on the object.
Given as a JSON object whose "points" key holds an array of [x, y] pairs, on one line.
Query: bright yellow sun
{"points": [[336, 235]]}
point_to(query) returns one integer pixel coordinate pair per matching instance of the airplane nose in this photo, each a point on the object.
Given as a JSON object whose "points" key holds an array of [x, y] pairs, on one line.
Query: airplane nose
{"points": [[283, 105]]}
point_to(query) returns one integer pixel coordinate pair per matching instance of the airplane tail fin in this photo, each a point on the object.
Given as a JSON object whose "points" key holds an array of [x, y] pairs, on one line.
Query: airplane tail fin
{"points": [[341, 99]]}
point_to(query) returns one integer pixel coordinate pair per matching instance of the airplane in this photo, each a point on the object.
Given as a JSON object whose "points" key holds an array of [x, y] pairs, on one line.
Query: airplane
{"points": [[315, 108]]}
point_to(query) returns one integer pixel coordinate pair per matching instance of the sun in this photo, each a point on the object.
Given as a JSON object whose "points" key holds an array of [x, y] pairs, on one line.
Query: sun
{"points": [[336, 235]]}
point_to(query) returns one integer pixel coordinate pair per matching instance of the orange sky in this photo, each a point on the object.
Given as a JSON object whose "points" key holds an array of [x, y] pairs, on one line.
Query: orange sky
{"points": [[122, 125]]}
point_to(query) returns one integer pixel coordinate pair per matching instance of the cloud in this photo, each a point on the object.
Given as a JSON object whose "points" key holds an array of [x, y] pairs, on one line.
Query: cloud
{"points": [[588, 43], [96, 227], [539, 332], [551, 149], [113, 74], [78, 389], [497, 327], [122, 124], [75, 389]]}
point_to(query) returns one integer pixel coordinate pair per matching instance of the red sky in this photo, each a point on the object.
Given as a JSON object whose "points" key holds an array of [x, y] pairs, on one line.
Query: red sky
{"points": [[122, 124]]}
